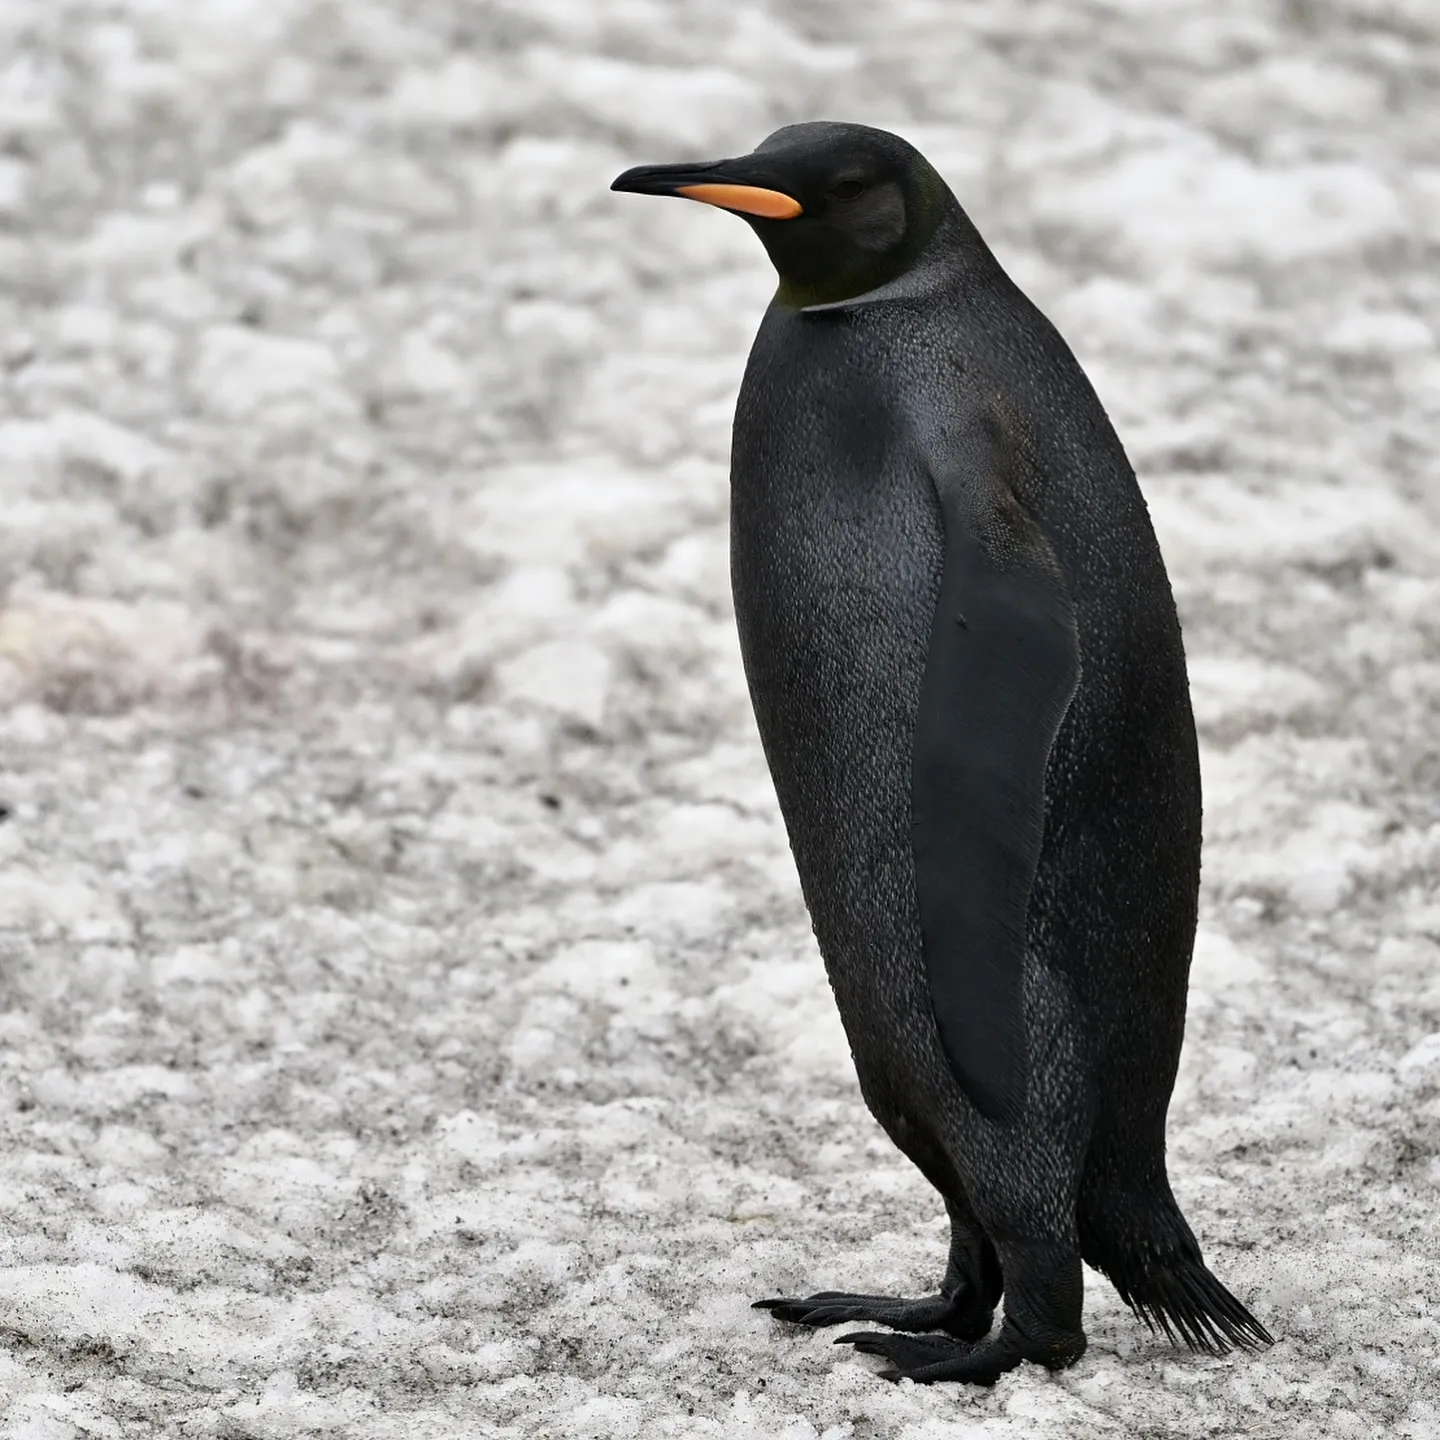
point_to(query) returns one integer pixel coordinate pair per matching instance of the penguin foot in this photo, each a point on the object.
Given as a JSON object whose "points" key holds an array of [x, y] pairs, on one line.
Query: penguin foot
{"points": [[908, 1354], [961, 1315], [928, 1359]]}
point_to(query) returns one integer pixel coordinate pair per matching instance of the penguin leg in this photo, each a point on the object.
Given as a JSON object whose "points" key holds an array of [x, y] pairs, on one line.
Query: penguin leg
{"points": [[964, 1307], [1043, 1300]]}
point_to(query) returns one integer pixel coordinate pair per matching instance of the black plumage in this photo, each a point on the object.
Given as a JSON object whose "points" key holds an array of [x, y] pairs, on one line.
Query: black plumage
{"points": [[967, 671]]}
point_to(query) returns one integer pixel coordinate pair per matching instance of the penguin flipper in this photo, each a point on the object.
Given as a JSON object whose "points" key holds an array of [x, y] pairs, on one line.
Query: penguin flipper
{"points": [[1002, 667]]}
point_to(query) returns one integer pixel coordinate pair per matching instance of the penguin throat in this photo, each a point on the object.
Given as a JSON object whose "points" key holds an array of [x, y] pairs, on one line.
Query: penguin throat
{"points": [[800, 289]]}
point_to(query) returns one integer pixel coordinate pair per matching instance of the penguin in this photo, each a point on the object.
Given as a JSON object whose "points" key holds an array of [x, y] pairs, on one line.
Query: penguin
{"points": [[966, 669]]}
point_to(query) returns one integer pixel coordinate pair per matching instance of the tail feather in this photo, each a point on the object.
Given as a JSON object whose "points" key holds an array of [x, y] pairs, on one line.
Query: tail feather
{"points": [[1153, 1260], [1186, 1303]]}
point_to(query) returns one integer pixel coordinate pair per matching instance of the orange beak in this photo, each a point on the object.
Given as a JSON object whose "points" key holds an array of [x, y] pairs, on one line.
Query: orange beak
{"points": [[747, 199]]}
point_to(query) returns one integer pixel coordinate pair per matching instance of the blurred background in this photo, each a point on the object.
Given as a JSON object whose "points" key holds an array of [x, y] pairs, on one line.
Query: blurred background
{"points": [[408, 1020]]}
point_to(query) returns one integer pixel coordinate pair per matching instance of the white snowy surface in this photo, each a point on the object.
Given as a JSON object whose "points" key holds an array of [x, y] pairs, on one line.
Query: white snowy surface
{"points": [[411, 1027]]}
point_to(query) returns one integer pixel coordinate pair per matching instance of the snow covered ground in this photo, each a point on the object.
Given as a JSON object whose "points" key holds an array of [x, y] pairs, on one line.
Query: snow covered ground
{"points": [[410, 1024]]}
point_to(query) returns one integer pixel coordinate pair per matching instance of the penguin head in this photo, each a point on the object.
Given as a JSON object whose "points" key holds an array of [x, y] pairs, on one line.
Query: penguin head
{"points": [[841, 209]]}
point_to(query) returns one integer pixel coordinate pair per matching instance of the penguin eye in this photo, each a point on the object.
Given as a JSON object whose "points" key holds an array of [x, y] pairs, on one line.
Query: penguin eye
{"points": [[847, 189]]}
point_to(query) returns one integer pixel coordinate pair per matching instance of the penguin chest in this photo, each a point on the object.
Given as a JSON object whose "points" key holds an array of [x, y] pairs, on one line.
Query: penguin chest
{"points": [[835, 577], [836, 559]]}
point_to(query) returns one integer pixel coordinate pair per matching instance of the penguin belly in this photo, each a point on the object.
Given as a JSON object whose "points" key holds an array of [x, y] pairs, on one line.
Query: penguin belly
{"points": [[836, 561]]}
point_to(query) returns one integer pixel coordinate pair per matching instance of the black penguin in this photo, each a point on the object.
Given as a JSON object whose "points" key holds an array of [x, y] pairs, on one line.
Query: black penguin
{"points": [[966, 667]]}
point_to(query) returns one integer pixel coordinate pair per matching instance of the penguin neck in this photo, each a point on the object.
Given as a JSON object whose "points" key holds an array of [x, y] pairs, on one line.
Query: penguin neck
{"points": [[952, 249]]}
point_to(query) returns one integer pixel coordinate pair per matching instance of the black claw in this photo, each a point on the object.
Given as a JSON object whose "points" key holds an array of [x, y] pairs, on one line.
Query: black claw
{"points": [[797, 1312], [829, 1307], [804, 1302], [953, 1314], [867, 1342]]}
